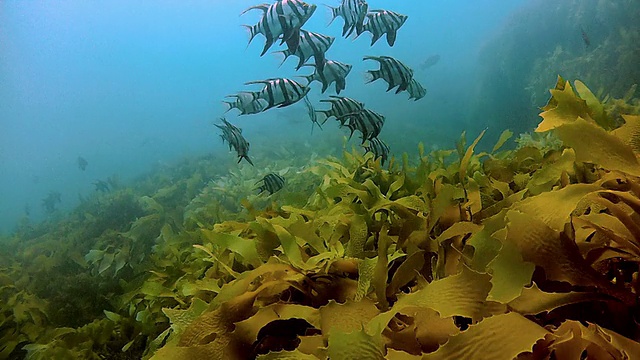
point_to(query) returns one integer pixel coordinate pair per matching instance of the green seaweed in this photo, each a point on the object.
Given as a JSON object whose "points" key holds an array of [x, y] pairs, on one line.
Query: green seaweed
{"points": [[349, 259]]}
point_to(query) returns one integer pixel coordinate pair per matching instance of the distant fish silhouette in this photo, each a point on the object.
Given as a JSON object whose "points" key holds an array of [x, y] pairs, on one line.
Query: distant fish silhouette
{"points": [[49, 203], [430, 61], [585, 37], [82, 163], [101, 186]]}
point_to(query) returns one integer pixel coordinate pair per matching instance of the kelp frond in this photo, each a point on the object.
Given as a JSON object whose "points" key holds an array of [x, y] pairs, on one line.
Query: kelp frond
{"points": [[527, 250]]}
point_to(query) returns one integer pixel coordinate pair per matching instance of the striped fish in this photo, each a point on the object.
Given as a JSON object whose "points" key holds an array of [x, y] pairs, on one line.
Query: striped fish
{"points": [[353, 12], [392, 70], [312, 113], [281, 20], [311, 44], [378, 148], [227, 130], [380, 22], [280, 92], [415, 90], [341, 108], [368, 122], [233, 135], [247, 102], [332, 71], [271, 183]]}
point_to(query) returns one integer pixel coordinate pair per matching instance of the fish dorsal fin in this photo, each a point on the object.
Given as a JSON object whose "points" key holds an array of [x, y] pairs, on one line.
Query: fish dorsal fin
{"points": [[263, 7]]}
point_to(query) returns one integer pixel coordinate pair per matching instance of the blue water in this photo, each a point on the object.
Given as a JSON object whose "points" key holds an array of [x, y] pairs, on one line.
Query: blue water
{"points": [[133, 85]]}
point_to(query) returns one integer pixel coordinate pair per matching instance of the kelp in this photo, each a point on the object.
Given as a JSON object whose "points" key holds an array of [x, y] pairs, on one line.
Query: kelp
{"points": [[530, 251]]}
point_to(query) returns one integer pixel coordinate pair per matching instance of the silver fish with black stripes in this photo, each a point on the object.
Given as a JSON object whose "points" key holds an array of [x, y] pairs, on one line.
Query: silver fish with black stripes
{"points": [[246, 101], [280, 92], [341, 108], [331, 72], [353, 12], [380, 22], [271, 182], [311, 45], [368, 122], [391, 70], [281, 20], [378, 148], [416, 90], [233, 135]]}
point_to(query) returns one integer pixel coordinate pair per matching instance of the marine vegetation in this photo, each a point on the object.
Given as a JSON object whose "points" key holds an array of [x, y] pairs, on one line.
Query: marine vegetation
{"points": [[529, 251], [609, 62]]}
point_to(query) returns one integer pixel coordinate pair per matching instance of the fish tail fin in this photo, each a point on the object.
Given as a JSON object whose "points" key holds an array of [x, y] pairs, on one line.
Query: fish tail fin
{"points": [[325, 114], [228, 105], [372, 75], [334, 12], [307, 78], [252, 30], [282, 55]]}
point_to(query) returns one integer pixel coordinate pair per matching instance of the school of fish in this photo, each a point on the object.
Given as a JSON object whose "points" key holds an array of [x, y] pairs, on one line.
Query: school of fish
{"points": [[281, 23]]}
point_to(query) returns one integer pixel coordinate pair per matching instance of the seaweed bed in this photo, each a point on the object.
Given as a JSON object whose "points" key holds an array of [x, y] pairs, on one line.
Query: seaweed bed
{"points": [[531, 252]]}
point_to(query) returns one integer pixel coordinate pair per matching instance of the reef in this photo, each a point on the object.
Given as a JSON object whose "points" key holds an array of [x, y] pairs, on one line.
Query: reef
{"points": [[530, 250], [592, 40]]}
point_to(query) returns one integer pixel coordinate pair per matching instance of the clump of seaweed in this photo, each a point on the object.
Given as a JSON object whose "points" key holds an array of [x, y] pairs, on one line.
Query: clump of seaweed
{"points": [[528, 252]]}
